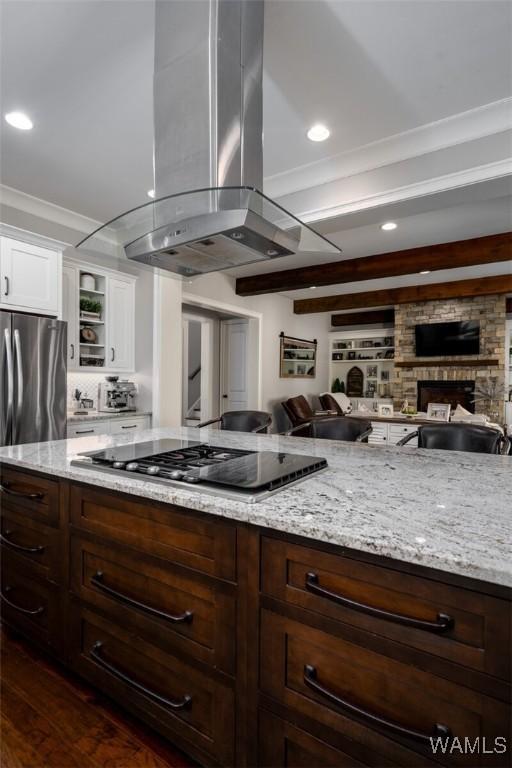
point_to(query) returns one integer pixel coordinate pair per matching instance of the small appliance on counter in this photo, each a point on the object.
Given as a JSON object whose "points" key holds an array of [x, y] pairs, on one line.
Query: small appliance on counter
{"points": [[115, 395]]}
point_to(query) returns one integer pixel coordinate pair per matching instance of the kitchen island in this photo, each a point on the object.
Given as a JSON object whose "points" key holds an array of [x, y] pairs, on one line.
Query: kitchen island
{"points": [[351, 616]]}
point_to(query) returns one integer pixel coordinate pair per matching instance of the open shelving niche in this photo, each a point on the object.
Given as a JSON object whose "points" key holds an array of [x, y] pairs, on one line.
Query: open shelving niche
{"points": [[369, 348], [92, 355]]}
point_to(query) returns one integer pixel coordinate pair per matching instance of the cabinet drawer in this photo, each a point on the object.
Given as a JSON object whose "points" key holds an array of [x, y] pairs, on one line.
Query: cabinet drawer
{"points": [[397, 431], [35, 546], [407, 609], [350, 688], [283, 744], [30, 605], [37, 497], [175, 698], [180, 537], [168, 605], [88, 428], [134, 424]]}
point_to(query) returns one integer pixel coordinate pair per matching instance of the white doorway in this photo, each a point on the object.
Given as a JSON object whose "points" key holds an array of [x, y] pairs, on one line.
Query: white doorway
{"points": [[234, 367], [197, 369]]}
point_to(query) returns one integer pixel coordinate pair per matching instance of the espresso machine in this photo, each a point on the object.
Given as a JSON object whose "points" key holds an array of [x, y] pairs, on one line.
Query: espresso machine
{"points": [[115, 395]]}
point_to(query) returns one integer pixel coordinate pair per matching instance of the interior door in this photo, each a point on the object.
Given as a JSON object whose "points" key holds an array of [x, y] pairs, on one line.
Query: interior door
{"points": [[29, 277], [234, 352], [121, 330]]}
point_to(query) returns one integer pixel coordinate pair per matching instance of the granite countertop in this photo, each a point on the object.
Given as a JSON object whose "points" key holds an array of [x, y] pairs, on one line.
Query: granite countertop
{"points": [[92, 415], [446, 510]]}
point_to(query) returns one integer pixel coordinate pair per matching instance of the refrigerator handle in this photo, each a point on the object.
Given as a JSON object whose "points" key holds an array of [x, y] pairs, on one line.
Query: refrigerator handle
{"points": [[21, 383], [10, 379]]}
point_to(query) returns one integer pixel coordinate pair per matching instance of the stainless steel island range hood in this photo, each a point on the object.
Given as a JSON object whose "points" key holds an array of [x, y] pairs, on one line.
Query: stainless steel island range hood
{"points": [[208, 213]]}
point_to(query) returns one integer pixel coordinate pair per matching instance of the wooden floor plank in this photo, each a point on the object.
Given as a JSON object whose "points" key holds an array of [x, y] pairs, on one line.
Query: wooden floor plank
{"points": [[50, 716]]}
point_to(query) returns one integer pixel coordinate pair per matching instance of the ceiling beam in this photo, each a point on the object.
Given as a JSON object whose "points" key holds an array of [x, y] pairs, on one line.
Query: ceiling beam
{"points": [[463, 253], [363, 318], [482, 286]]}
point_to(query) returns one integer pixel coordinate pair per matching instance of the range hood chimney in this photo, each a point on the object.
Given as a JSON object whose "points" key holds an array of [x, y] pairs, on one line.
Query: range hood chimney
{"points": [[208, 213]]}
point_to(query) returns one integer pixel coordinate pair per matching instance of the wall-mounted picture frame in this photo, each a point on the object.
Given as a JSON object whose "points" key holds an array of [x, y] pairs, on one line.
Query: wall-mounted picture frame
{"points": [[439, 411], [371, 371], [297, 357], [384, 375], [385, 410]]}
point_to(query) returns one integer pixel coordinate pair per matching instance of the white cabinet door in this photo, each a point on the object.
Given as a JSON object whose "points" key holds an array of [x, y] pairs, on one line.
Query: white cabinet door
{"points": [[29, 276], [70, 313], [120, 325], [121, 426]]}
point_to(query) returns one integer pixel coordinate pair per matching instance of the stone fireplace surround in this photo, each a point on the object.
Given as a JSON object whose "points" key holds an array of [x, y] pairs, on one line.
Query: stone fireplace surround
{"points": [[489, 311], [453, 392]]}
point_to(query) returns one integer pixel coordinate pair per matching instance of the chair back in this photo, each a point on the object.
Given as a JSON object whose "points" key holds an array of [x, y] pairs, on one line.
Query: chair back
{"points": [[298, 410], [460, 437], [246, 421], [330, 404], [339, 428]]}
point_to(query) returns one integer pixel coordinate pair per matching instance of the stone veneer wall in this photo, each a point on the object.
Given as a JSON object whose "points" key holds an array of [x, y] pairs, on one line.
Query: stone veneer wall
{"points": [[490, 311]]}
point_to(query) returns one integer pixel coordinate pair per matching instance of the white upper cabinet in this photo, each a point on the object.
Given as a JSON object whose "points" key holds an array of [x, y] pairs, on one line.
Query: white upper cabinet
{"points": [[120, 325], [70, 313], [29, 277], [99, 307]]}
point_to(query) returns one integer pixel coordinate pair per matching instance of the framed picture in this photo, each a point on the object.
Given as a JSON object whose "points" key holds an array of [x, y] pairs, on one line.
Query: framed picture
{"points": [[439, 411], [351, 355], [371, 371], [384, 375], [385, 410]]}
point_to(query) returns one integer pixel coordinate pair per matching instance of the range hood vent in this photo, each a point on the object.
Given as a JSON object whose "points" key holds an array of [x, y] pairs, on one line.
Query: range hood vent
{"points": [[208, 214]]}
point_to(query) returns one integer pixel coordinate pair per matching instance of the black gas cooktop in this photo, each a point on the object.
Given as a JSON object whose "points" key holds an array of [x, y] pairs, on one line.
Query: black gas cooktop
{"points": [[233, 472]]}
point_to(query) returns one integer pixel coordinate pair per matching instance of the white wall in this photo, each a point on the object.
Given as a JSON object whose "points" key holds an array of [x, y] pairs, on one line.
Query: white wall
{"points": [[277, 315]]}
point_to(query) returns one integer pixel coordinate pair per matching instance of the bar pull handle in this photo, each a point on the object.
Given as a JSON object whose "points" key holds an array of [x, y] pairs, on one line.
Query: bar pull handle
{"points": [[4, 539], [21, 382], [128, 426], [10, 380], [72, 355], [311, 680], [181, 618], [443, 623], [84, 431], [6, 292], [95, 654], [112, 354], [26, 611], [5, 487]]}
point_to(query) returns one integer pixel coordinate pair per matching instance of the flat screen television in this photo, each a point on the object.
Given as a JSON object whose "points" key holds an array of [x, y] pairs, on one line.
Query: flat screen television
{"points": [[440, 339]]}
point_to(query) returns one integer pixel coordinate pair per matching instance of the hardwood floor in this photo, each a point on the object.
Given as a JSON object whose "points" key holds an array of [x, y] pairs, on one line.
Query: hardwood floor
{"points": [[51, 719]]}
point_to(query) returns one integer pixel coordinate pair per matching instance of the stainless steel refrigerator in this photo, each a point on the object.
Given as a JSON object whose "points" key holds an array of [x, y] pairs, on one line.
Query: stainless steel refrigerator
{"points": [[32, 379]]}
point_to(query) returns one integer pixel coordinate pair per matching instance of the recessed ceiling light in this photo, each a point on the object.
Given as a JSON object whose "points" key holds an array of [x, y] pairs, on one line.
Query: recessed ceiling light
{"points": [[19, 120], [318, 132], [312, 287], [388, 226], [425, 272], [151, 193]]}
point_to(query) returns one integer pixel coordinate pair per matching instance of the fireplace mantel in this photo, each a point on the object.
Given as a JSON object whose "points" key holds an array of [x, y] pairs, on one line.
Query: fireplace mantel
{"points": [[435, 362]]}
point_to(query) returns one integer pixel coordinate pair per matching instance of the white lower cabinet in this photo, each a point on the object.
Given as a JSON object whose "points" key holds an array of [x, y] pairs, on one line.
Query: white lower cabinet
{"points": [[390, 433], [115, 426]]}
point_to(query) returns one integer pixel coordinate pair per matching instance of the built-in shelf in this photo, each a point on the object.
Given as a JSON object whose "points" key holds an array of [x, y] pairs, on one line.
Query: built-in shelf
{"points": [[91, 290], [443, 363], [91, 322], [86, 344]]}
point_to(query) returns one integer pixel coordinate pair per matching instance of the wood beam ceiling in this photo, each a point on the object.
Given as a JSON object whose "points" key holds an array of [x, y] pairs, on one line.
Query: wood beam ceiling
{"points": [[463, 253], [363, 318], [483, 286]]}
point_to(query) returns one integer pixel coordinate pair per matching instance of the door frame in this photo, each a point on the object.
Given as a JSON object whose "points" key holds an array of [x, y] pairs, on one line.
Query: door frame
{"points": [[255, 330]]}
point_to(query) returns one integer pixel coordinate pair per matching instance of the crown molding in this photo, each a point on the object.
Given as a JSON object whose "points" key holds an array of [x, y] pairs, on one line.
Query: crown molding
{"points": [[466, 177], [35, 206], [483, 121]]}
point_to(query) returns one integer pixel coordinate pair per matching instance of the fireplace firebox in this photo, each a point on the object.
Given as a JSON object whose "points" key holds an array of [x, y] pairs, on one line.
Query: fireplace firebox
{"points": [[453, 392]]}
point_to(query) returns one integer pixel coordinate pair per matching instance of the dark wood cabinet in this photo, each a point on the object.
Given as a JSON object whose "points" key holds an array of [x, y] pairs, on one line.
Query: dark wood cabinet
{"points": [[250, 648]]}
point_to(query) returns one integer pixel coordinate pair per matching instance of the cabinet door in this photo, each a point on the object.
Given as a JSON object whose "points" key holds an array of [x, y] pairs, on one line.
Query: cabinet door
{"points": [[70, 313], [29, 276], [120, 325]]}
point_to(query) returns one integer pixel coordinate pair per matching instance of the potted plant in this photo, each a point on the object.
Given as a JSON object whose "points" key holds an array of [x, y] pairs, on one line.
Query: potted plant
{"points": [[90, 309]]}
